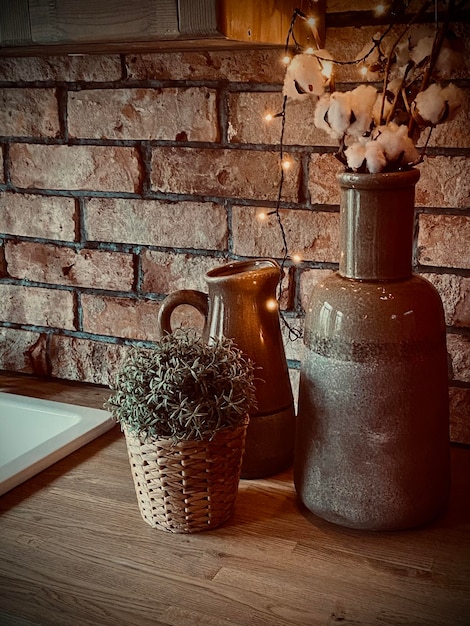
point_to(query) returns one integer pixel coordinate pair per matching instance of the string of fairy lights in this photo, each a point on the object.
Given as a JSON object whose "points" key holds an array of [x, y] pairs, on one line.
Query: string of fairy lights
{"points": [[285, 162]]}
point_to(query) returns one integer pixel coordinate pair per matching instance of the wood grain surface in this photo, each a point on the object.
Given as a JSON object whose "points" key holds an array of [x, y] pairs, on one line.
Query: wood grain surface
{"points": [[74, 550]]}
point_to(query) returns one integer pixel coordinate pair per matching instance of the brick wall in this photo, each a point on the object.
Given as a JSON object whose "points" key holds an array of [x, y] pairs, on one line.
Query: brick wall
{"points": [[123, 178]]}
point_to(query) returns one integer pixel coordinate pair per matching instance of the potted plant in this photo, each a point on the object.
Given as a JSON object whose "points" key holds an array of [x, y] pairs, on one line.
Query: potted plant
{"points": [[183, 407]]}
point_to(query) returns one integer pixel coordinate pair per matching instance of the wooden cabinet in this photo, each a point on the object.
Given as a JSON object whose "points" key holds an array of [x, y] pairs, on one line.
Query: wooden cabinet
{"points": [[47, 26]]}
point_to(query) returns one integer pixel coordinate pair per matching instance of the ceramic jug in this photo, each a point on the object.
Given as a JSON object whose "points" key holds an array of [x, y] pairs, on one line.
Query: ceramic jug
{"points": [[241, 304]]}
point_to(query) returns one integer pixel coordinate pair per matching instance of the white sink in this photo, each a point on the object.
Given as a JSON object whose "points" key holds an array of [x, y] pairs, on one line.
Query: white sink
{"points": [[36, 433]]}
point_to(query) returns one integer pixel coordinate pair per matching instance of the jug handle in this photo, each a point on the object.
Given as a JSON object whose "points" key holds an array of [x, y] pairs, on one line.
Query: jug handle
{"points": [[197, 299]]}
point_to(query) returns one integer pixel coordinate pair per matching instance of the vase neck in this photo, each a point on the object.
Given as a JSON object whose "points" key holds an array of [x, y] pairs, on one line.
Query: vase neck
{"points": [[376, 225]]}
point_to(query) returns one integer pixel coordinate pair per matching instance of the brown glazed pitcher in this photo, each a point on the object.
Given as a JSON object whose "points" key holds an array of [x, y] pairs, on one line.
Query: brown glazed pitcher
{"points": [[241, 304]]}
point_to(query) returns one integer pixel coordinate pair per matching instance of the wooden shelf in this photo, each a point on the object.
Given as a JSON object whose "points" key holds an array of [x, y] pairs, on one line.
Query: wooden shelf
{"points": [[31, 27]]}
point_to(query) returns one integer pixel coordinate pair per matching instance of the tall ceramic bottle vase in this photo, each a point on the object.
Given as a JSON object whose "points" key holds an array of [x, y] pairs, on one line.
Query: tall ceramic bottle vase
{"points": [[241, 304], [372, 445]]}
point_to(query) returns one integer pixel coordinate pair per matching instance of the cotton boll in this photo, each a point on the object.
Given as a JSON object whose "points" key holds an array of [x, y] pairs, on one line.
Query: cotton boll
{"points": [[402, 53], [448, 62], [417, 33], [395, 143], [410, 154], [355, 155], [362, 100], [321, 113], [339, 113], [373, 61], [394, 85], [436, 104], [450, 58], [375, 157], [454, 98], [428, 105], [333, 114], [326, 65], [291, 91], [303, 78], [422, 49]]}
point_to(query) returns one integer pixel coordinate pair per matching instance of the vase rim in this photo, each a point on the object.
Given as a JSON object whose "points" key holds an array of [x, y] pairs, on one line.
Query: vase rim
{"points": [[382, 180]]}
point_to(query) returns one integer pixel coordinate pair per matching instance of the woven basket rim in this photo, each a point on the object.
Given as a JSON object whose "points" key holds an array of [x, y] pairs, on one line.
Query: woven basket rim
{"points": [[169, 442]]}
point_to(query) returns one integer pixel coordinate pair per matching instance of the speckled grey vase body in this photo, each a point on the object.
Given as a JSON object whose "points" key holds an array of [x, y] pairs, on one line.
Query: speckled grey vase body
{"points": [[372, 443]]}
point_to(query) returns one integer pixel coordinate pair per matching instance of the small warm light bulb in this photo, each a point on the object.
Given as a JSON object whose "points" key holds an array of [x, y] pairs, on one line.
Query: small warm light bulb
{"points": [[268, 117], [271, 304], [363, 71], [296, 258], [286, 59], [309, 51], [286, 164], [379, 9], [262, 216], [311, 22]]}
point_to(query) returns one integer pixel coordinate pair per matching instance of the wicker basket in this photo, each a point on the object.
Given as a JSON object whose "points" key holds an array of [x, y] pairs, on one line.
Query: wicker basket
{"points": [[188, 486]]}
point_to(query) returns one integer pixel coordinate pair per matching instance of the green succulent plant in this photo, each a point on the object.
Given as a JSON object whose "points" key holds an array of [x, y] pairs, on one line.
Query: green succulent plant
{"points": [[183, 388]]}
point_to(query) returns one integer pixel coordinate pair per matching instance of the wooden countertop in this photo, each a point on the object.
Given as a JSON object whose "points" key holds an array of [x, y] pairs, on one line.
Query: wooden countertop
{"points": [[74, 550]]}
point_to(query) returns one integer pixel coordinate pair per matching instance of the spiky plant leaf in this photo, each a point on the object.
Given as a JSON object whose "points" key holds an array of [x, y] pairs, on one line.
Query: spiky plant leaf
{"points": [[183, 388]]}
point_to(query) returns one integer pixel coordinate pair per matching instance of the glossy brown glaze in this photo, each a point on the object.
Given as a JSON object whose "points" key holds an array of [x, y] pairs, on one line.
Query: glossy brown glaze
{"points": [[241, 304]]}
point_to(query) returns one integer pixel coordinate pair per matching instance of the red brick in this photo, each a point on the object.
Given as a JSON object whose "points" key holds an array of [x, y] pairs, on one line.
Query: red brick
{"points": [[455, 294], [458, 346], [459, 415], [44, 263], [443, 240], [314, 236], [247, 111], [85, 360], [152, 222], [322, 182], [444, 182], [96, 168], [166, 272], [29, 112], [37, 305], [227, 173], [3, 265], [247, 124], [51, 217], [131, 319], [120, 317], [252, 66], [87, 67], [17, 350], [187, 114], [344, 44]]}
